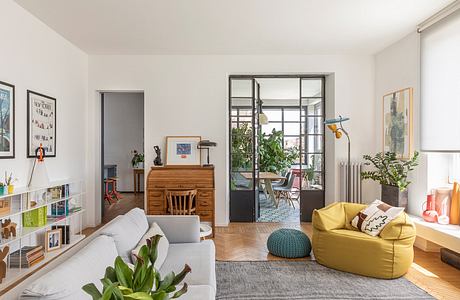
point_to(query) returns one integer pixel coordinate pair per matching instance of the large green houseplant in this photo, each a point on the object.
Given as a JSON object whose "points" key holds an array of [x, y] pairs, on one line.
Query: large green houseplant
{"points": [[144, 282], [272, 156], [392, 173]]}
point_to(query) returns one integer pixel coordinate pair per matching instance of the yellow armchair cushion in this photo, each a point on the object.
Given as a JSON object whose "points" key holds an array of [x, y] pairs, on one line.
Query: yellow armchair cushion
{"points": [[330, 217]]}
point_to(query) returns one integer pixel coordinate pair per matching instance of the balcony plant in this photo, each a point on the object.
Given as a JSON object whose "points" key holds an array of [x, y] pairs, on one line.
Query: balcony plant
{"points": [[272, 156], [392, 173], [144, 282]]}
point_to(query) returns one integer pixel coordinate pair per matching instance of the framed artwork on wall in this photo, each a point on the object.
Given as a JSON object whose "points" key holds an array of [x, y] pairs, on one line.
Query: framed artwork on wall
{"points": [[41, 124], [183, 150], [7, 116], [397, 123]]}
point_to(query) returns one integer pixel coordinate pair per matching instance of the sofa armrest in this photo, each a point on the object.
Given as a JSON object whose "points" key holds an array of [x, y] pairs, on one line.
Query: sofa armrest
{"points": [[400, 228], [330, 217], [178, 229]]}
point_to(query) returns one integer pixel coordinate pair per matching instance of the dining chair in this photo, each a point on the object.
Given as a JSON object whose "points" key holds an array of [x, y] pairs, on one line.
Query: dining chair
{"points": [[181, 202], [284, 192]]}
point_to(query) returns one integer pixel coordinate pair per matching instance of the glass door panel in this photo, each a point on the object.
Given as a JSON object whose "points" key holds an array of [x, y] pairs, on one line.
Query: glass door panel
{"points": [[312, 158], [243, 145]]}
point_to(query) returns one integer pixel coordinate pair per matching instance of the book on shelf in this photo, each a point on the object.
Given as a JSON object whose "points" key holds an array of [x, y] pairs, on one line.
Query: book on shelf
{"points": [[35, 218], [26, 257], [60, 208]]}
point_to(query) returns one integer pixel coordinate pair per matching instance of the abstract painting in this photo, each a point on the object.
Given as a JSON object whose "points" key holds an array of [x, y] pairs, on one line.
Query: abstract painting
{"points": [[41, 124], [6, 120], [397, 123], [183, 150]]}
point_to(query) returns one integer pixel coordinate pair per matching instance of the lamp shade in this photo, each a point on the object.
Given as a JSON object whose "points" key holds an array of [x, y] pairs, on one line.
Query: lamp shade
{"points": [[207, 143], [336, 120]]}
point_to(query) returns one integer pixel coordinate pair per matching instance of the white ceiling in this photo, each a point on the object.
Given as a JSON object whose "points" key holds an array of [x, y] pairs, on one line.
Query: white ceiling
{"points": [[233, 26]]}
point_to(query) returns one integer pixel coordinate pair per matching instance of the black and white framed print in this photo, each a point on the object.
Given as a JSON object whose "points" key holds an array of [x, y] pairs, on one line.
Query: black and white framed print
{"points": [[7, 129], [41, 124]]}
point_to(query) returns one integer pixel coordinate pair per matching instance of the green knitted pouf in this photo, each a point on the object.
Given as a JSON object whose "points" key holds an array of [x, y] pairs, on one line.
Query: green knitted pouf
{"points": [[289, 243]]}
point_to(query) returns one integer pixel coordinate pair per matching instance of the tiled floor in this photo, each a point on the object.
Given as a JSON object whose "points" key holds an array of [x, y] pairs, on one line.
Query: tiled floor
{"points": [[284, 213]]}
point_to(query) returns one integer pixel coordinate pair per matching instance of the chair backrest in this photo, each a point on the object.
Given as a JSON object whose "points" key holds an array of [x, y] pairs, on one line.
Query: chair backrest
{"points": [[290, 181], [288, 177], [181, 202]]}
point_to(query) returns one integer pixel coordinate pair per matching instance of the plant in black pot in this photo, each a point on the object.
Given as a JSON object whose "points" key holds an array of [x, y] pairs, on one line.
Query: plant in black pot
{"points": [[391, 172]]}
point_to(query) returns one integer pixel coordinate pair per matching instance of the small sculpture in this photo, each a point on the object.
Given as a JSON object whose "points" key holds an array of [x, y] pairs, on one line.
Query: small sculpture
{"points": [[157, 161], [8, 228], [3, 254]]}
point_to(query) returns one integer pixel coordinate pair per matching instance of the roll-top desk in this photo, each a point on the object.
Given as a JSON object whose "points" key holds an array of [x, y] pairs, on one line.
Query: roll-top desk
{"points": [[162, 179]]}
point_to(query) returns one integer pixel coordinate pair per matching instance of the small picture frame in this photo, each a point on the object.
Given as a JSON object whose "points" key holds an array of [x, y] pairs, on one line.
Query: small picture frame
{"points": [[41, 123], [53, 240], [183, 150]]}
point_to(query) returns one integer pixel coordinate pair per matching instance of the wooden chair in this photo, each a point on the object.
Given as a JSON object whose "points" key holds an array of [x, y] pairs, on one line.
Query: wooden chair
{"points": [[181, 202]]}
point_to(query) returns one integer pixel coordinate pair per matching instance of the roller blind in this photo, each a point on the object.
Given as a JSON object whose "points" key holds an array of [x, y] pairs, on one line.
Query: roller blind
{"points": [[440, 85]]}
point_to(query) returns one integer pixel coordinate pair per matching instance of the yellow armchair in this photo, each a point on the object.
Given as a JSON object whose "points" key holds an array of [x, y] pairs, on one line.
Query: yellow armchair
{"points": [[338, 245]]}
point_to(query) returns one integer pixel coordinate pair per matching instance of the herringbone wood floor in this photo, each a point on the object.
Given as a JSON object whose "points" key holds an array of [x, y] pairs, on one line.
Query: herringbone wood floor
{"points": [[247, 242]]}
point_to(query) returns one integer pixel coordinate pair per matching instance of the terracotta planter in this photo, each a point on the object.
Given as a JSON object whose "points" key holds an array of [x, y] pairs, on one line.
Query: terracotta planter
{"points": [[393, 196]]}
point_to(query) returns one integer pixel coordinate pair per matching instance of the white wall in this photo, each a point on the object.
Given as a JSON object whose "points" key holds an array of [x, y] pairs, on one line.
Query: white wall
{"points": [[34, 57], [123, 133], [397, 67], [187, 95]]}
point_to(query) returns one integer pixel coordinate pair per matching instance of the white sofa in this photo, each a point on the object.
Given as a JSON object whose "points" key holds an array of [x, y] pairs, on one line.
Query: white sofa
{"points": [[85, 263]]}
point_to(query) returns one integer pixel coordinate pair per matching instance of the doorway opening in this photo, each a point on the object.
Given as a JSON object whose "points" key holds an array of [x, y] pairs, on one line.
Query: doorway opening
{"points": [[276, 147], [122, 151]]}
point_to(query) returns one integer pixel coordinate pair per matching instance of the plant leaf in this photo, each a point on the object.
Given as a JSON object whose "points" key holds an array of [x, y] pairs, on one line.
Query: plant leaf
{"points": [[92, 290], [139, 296], [180, 292], [124, 273], [167, 281]]}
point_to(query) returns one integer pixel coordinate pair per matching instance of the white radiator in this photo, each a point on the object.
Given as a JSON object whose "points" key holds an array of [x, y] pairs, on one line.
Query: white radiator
{"points": [[356, 189]]}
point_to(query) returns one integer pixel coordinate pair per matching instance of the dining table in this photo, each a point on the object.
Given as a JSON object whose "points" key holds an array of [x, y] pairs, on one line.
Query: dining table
{"points": [[267, 178]]}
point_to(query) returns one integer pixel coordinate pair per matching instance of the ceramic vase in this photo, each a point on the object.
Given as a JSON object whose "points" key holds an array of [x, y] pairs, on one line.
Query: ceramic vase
{"points": [[10, 189]]}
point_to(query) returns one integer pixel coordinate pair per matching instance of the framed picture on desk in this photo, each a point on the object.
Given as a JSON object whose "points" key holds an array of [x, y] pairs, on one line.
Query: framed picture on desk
{"points": [[183, 150]]}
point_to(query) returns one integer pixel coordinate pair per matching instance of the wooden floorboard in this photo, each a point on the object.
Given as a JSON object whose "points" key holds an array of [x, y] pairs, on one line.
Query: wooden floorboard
{"points": [[247, 242]]}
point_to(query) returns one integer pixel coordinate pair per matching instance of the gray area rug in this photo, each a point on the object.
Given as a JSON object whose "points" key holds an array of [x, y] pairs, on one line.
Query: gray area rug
{"points": [[267, 280]]}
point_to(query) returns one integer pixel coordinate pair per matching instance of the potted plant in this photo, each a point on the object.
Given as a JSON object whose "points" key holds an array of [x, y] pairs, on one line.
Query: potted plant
{"points": [[138, 160], [2, 188], [143, 282], [391, 172], [9, 180]]}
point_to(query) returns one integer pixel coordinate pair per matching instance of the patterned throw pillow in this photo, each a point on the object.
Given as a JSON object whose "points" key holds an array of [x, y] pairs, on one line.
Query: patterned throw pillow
{"points": [[375, 217]]}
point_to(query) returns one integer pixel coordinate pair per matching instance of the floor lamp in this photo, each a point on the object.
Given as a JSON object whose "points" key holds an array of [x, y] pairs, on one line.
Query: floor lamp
{"points": [[337, 130]]}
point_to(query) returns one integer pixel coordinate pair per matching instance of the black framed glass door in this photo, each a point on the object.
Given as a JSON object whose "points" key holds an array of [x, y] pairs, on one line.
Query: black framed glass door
{"points": [[299, 115], [244, 169]]}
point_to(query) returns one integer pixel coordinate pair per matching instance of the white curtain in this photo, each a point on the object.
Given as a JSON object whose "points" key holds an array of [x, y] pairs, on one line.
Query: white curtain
{"points": [[440, 85]]}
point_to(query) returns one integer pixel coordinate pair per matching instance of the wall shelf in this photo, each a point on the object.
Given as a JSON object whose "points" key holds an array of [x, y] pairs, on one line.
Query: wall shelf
{"points": [[64, 209]]}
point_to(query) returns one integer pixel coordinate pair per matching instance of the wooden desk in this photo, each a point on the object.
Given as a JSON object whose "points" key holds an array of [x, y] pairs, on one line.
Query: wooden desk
{"points": [[137, 179], [268, 178], [162, 179]]}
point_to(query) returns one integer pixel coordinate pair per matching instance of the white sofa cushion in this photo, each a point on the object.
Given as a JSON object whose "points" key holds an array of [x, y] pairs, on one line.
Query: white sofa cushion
{"points": [[163, 245], [199, 292], [127, 231], [85, 266], [139, 219], [199, 256]]}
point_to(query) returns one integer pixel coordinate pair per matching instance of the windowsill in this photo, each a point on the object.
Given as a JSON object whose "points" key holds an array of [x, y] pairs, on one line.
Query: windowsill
{"points": [[447, 236]]}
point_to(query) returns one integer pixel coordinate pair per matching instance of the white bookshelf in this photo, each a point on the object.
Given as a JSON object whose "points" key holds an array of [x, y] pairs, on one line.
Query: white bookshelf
{"points": [[20, 203]]}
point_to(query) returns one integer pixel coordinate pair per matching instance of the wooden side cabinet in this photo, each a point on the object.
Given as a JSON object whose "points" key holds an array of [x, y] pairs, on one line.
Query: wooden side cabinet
{"points": [[162, 179]]}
